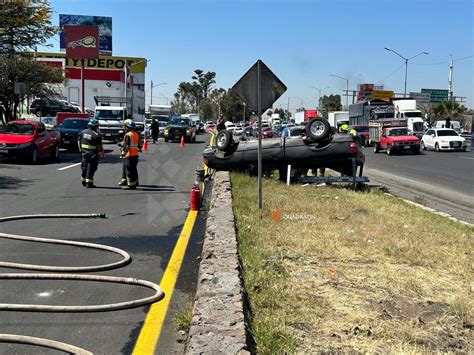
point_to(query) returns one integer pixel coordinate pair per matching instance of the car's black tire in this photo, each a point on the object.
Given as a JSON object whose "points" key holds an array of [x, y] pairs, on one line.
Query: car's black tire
{"points": [[376, 148], [33, 159], [423, 145], [416, 151], [223, 140], [317, 129], [55, 152], [437, 147]]}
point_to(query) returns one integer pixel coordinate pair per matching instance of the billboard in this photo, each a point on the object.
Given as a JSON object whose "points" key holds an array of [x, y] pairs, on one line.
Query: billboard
{"points": [[82, 42], [105, 30], [381, 94]]}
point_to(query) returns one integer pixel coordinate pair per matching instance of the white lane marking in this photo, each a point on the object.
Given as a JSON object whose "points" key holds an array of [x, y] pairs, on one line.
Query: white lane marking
{"points": [[69, 166], [465, 157]]}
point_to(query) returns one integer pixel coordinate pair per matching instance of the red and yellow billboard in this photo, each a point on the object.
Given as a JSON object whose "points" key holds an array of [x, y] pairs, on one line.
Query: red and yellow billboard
{"points": [[82, 42]]}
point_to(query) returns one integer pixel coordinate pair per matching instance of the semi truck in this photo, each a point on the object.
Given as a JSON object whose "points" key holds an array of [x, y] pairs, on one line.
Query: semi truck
{"points": [[406, 109], [338, 118], [361, 112], [392, 135]]}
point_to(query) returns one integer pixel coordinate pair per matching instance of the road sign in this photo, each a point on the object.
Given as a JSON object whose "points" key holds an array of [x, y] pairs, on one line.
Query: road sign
{"points": [[82, 42], [437, 95], [381, 94], [271, 88], [421, 97]]}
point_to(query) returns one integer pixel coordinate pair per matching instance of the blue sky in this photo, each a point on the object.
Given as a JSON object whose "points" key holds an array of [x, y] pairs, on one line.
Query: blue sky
{"points": [[302, 41]]}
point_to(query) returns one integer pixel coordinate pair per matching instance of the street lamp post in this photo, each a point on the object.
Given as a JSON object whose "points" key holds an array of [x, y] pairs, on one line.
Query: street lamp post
{"points": [[347, 87], [153, 86], [406, 65], [319, 90]]}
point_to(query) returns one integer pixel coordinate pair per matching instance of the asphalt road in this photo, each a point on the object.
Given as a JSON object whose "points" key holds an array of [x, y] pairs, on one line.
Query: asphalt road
{"points": [[444, 180], [146, 223]]}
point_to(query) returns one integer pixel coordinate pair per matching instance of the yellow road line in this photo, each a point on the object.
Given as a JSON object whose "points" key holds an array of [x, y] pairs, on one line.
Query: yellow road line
{"points": [[151, 330]]}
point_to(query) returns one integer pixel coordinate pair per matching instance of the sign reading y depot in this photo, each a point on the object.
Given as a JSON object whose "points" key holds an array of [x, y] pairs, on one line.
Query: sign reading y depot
{"points": [[103, 62], [105, 30]]}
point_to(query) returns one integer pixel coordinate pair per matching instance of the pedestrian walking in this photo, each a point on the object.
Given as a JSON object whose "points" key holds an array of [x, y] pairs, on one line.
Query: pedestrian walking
{"points": [[155, 129], [131, 148], [90, 145]]}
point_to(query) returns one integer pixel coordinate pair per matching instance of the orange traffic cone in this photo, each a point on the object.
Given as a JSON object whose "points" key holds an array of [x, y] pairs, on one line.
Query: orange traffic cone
{"points": [[182, 142], [145, 145]]}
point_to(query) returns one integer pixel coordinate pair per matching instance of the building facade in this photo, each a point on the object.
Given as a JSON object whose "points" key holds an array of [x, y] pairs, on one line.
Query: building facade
{"points": [[104, 77]]}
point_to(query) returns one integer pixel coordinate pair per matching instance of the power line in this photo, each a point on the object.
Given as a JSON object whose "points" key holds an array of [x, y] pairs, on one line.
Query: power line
{"points": [[403, 64], [440, 63]]}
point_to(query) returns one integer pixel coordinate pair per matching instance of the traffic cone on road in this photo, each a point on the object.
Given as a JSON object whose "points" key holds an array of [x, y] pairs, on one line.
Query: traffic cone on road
{"points": [[145, 145], [182, 142]]}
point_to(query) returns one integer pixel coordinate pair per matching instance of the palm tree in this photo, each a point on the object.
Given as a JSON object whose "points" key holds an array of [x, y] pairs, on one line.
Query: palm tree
{"points": [[449, 109]]}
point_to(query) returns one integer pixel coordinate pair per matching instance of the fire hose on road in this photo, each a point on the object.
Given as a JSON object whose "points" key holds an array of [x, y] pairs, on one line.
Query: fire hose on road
{"points": [[64, 274]]}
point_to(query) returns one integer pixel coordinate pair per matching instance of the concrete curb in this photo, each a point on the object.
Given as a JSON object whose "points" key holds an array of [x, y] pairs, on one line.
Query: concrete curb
{"points": [[218, 322]]}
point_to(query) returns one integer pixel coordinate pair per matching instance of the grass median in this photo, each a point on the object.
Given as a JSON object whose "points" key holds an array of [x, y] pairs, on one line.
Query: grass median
{"points": [[330, 269]]}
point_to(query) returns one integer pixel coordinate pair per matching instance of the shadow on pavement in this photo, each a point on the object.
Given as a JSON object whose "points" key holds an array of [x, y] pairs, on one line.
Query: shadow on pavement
{"points": [[10, 182]]}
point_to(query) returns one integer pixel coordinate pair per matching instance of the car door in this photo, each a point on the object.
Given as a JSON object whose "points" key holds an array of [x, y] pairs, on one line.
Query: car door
{"points": [[428, 139], [41, 139]]}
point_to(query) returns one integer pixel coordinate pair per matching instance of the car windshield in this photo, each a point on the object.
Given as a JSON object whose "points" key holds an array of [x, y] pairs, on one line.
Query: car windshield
{"points": [[266, 129], [108, 114], [447, 133], [74, 124], [21, 129], [181, 121], [413, 114], [162, 123], [398, 132]]}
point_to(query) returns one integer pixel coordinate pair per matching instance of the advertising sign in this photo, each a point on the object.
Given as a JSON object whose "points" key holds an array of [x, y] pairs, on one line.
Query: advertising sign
{"points": [[381, 94], [105, 30], [364, 91], [437, 95], [82, 42]]}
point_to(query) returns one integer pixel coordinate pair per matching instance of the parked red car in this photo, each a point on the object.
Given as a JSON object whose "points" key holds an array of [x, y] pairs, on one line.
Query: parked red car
{"points": [[28, 140]]}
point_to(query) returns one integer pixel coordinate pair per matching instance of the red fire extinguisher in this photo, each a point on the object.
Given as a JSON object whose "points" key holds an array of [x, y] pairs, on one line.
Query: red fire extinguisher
{"points": [[195, 201]]}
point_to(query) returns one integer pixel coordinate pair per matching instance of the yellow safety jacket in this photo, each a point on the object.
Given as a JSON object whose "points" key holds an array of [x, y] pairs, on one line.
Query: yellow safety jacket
{"points": [[131, 139]]}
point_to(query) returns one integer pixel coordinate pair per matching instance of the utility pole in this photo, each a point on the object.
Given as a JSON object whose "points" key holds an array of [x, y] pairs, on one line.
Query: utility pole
{"points": [[151, 98], [450, 80]]}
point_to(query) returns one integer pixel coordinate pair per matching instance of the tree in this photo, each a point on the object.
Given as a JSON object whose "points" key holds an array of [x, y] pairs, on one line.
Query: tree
{"points": [[449, 109], [193, 96], [330, 103], [285, 115], [24, 24], [39, 79]]}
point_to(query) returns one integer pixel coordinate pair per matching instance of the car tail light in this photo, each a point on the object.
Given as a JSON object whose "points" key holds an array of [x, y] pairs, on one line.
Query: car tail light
{"points": [[352, 147]]}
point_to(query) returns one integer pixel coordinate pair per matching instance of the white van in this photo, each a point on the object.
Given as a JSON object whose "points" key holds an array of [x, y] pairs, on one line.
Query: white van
{"points": [[455, 125]]}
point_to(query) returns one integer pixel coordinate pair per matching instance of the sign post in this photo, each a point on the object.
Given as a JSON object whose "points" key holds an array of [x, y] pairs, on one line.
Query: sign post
{"points": [[259, 88], [82, 42]]}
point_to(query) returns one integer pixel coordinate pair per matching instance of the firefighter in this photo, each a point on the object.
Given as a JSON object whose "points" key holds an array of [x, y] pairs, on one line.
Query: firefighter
{"points": [[131, 148], [90, 145], [155, 130], [123, 180], [346, 129]]}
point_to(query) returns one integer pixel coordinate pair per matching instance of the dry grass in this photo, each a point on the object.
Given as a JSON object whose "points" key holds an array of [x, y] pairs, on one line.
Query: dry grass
{"points": [[330, 269]]}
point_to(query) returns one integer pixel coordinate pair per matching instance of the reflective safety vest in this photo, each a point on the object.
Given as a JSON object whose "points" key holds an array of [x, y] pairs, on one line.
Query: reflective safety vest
{"points": [[90, 142], [132, 138]]}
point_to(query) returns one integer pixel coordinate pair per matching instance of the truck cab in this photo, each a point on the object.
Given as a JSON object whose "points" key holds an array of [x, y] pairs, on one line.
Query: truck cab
{"points": [[111, 121], [392, 136]]}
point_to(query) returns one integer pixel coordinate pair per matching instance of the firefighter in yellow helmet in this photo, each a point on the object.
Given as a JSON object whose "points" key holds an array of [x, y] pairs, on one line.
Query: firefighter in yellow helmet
{"points": [[346, 129]]}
